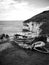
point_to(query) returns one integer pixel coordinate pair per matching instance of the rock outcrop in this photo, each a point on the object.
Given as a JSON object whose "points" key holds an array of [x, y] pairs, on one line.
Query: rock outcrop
{"points": [[40, 18]]}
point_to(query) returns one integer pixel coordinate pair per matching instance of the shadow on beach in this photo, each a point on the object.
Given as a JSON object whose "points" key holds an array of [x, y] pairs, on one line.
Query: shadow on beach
{"points": [[12, 54]]}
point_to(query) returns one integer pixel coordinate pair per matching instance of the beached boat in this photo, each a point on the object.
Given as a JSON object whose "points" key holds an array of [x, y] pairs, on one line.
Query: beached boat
{"points": [[23, 38], [41, 49], [36, 43]]}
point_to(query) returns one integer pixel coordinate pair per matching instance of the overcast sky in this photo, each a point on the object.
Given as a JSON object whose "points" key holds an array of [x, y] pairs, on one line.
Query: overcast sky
{"points": [[21, 9]]}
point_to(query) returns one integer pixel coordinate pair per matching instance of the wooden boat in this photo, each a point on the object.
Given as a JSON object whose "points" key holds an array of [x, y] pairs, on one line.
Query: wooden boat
{"points": [[30, 41], [38, 49], [41, 49], [22, 38]]}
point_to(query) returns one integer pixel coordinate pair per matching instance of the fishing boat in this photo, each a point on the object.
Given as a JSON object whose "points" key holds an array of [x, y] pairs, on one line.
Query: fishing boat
{"points": [[23, 38], [41, 49], [36, 43]]}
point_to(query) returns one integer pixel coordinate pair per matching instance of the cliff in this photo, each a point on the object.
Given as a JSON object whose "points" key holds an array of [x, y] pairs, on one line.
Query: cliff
{"points": [[39, 18]]}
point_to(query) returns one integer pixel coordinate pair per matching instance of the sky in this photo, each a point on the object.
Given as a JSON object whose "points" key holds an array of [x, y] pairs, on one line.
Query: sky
{"points": [[21, 9]]}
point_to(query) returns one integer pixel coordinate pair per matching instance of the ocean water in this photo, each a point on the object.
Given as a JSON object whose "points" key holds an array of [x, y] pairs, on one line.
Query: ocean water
{"points": [[10, 27]]}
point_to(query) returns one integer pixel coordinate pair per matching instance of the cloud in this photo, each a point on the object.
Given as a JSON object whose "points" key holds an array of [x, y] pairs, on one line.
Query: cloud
{"points": [[11, 10], [38, 3], [15, 11]]}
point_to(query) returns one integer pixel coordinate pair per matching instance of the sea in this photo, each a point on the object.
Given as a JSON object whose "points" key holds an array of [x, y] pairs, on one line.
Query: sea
{"points": [[10, 27]]}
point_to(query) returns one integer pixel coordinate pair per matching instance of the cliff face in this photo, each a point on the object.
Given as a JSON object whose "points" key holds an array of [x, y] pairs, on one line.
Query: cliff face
{"points": [[41, 18]]}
